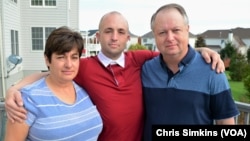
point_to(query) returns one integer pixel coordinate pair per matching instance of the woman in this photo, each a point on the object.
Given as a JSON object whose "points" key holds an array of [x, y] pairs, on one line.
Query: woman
{"points": [[58, 109]]}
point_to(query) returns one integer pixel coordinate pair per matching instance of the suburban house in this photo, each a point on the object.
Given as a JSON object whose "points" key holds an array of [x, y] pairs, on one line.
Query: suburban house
{"points": [[92, 46], [24, 27], [239, 37], [149, 41], [215, 39]]}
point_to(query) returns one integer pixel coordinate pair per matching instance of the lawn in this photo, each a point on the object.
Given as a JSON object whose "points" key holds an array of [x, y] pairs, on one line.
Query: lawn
{"points": [[238, 90]]}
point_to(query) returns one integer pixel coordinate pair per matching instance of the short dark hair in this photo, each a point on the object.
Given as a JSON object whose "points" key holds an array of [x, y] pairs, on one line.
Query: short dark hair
{"points": [[62, 40]]}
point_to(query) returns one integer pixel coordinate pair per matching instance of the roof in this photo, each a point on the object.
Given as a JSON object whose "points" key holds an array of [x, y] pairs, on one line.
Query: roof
{"points": [[243, 33], [93, 31], [239, 40], [148, 35]]}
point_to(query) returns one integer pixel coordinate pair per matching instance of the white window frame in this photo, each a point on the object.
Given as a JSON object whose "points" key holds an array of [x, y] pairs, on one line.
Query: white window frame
{"points": [[43, 3], [38, 38], [14, 42]]}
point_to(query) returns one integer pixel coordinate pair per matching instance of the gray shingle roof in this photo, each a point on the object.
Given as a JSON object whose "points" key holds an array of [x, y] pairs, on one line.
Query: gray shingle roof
{"points": [[240, 32], [93, 31]]}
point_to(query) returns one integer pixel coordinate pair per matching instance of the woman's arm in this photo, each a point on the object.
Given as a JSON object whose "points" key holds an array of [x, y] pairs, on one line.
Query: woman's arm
{"points": [[13, 101], [16, 131]]}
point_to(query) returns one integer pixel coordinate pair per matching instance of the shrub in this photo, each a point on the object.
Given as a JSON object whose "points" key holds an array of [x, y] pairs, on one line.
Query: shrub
{"points": [[239, 68], [246, 82], [136, 47]]}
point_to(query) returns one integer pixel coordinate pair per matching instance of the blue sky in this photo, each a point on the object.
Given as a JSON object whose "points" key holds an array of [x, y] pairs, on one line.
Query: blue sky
{"points": [[203, 14]]}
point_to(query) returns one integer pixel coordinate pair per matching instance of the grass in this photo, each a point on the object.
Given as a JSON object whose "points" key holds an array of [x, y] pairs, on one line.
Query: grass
{"points": [[238, 90]]}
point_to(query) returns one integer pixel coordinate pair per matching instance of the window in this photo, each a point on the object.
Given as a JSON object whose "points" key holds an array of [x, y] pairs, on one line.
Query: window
{"points": [[39, 37], [50, 2], [43, 2], [36, 2], [14, 42], [48, 30]]}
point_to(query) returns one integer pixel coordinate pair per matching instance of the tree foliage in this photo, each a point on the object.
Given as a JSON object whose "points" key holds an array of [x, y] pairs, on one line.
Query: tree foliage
{"points": [[200, 42], [246, 82], [136, 47], [239, 67], [229, 51], [248, 55]]}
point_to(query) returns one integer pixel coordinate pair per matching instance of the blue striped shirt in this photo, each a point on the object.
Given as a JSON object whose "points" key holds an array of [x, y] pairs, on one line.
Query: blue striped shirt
{"points": [[51, 119]]}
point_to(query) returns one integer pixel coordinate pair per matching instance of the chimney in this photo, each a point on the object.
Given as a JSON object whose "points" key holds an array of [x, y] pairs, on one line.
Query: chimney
{"points": [[230, 36]]}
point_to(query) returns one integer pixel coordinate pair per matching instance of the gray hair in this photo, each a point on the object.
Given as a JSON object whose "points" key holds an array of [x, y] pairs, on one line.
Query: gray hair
{"points": [[169, 6]]}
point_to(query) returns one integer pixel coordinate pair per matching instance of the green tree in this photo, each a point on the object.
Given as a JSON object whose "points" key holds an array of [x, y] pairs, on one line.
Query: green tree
{"points": [[248, 55], [246, 82], [200, 42], [136, 47], [239, 68], [229, 51]]}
